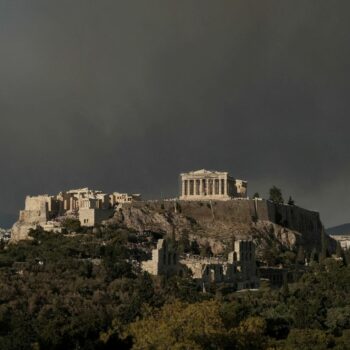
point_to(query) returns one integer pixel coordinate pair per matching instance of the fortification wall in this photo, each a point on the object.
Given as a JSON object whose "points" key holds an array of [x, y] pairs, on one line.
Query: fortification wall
{"points": [[37, 202], [33, 217], [219, 220], [243, 212]]}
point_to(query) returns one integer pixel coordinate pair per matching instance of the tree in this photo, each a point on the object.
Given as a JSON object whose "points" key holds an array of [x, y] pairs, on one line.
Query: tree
{"points": [[276, 195], [324, 245], [308, 339], [256, 195], [195, 249], [181, 326], [71, 225], [285, 288], [206, 250], [291, 201], [251, 333], [184, 242], [301, 255], [313, 256], [339, 251]]}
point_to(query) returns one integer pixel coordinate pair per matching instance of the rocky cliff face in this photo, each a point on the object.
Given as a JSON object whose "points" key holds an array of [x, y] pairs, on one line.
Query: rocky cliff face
{"points": [[28, 219], [217, 222]]}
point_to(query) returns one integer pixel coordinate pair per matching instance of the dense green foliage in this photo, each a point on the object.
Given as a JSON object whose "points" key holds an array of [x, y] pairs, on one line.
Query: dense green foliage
{"points": [[86, 292], [275, 195]]}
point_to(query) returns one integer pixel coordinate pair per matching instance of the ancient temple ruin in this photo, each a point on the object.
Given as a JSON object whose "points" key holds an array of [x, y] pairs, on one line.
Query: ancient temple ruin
{"points": [[91, 207], [211, 185]]}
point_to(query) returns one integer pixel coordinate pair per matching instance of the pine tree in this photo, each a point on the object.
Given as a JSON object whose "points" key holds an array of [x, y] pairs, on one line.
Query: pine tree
{"points": [[291, 201], [276, 195]]}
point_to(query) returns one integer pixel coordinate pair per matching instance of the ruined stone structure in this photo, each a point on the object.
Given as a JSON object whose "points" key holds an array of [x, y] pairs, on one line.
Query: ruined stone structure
{"points": [[117, 198], [276, 275], [89, 206], [344, 240], [89, 217], [238, 271], [165, 259], [211, 185], [74, 200]]}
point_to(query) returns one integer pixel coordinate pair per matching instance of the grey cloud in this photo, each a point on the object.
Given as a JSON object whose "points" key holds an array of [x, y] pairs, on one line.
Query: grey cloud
{"points": [[124, 95]]}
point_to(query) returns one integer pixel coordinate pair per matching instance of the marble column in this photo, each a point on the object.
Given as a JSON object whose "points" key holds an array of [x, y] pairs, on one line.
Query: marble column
{"points": [[225, 186], [201, 187], [183, 187]]}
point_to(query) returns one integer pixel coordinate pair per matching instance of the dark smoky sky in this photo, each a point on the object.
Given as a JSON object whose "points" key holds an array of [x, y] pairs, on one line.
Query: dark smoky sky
{"points": [[125, 95]]}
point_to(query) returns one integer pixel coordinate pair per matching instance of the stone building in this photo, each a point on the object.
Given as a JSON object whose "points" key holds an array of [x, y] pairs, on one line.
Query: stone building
{"points": [[244, 261], [90, 217], [165, 259], [211, 185], [238, 271], [89, 206], [121, 198], [73, 200], [44, 207], [344, 240]]}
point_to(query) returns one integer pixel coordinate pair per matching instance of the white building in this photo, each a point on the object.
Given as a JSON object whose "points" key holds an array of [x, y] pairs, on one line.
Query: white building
{"points": [[344, 240], [121, 198], [211, 185]]}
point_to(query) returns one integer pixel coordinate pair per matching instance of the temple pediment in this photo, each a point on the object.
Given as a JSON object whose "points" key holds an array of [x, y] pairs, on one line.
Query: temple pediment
{"points": [[204, 171]]}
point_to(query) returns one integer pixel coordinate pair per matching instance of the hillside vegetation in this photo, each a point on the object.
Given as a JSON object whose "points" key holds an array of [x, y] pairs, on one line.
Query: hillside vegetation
{"points": [[85, 291]]}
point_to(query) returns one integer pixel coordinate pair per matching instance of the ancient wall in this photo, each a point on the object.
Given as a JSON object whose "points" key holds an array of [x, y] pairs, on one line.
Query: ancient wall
{"points": [[91, 217], [220, 220], [165, 259], [243, 212]]}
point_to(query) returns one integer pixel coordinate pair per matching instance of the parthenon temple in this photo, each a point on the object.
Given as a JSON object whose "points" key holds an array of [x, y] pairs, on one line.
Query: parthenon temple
{"points": [[206, 185]]}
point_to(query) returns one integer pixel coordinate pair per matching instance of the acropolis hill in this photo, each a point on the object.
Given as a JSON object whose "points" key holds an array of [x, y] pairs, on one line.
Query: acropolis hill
{"points": [[212, 207]]}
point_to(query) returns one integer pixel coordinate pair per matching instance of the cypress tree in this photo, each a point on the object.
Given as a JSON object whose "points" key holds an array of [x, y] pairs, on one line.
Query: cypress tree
{"points": [[324, 246], [313, 256]]}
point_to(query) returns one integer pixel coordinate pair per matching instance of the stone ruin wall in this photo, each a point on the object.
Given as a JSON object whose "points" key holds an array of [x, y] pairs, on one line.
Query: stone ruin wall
{"points": [[219, 219], [241, 211]]}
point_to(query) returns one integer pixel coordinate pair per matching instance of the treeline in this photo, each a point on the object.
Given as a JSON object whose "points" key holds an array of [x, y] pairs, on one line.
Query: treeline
{"points": [[86, 292]]}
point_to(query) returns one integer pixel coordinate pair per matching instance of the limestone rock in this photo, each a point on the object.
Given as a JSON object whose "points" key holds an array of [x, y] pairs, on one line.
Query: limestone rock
{"points": [[217, 223]]}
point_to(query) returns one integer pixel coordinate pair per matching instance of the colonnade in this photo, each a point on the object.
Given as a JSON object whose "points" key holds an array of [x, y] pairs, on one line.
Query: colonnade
{"points": [[204, 187]]}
